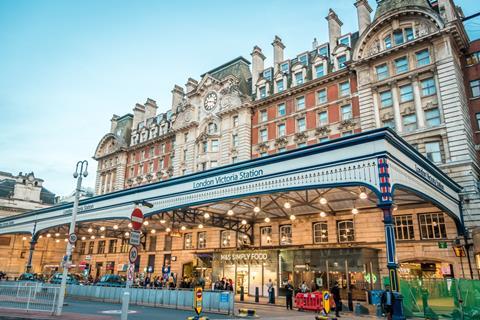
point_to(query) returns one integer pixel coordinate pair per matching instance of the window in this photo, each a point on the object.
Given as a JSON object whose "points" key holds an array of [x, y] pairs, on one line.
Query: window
{"points": [[432, 150], [212, 127], [267, 74], [387, 41], [204, 146], [428, 87], [345, 40], [90, 247], [323, 118], [281, 130], [285, 234], [303, 59], [401, 65], [344, 89], [266, 236], [284, 67], [187, 241], [409, 34], [185, 137], [152, 243], [163, 148], [386, 99], [475, 86], [323, 51], [319, 71], [403, 227], [299, 77], [389, 123], [345, 230], [263, 135], [280, 87], [185, 154], [201, 240], [234, 140], [263, 92], [112, 246], [320, 232], [82, 247], [473, 58], [301, 126], [101, 247], [150, 167], [346, 112], [213, 164], [341, 61], [409, 122], [432, 226], [125, 245], [263, 115], [281, 110], [423, 58], [322, 96], [235, 121], [132, 172], [432, 117], [382, 71], [300, 101], [406, 93], [214, 145], [398, 37], [151, 152], [225, 237], [477, 116]]}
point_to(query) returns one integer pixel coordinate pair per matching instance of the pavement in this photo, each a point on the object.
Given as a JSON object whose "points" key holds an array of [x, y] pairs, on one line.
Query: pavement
{"points": [[93, 310]]}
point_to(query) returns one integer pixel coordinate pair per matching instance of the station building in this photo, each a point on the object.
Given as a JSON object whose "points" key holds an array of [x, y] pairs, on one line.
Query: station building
{"points": [[279, 172]]}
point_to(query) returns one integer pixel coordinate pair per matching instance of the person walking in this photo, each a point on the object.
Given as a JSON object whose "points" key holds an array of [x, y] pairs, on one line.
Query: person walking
{"points": [[387, 301], [289, 295], [336, 297]]}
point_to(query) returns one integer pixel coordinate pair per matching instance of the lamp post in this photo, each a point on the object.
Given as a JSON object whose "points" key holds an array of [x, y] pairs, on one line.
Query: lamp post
{"points": [[80, 170]]}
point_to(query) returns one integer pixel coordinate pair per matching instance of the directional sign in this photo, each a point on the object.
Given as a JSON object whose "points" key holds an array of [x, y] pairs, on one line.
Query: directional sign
{"points": [[326, 301], [135, 238], [72, 238], [137, 219], [133, 254], [197, 300]]}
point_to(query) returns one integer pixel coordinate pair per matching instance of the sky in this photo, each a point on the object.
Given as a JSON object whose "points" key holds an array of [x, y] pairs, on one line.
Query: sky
{"points": [[67, 66]]}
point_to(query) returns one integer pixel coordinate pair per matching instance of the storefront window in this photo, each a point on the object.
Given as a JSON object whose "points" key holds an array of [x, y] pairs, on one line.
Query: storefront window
{"points": [[187, 241], [225, 238], [266, 236], [320, 232], [286, 234], [346, 233], [202, 240]]}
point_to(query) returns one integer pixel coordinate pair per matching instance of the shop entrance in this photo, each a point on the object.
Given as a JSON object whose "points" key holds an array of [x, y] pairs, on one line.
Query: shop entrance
{"points": [[241, 279]]}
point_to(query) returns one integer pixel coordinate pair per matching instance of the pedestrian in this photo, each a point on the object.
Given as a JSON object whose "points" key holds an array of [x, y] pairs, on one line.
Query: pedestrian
{"points": [[271, 292], [388, 300], [304, 287], [289, 295], [336, 298]]}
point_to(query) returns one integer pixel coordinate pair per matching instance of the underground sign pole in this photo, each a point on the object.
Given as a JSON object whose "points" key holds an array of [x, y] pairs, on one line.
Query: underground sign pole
{"points": [[137, 220]]}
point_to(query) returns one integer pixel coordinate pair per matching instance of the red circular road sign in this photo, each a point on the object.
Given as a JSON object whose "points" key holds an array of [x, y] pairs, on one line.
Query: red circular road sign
{"points": [[199, 294], [137, 219]]}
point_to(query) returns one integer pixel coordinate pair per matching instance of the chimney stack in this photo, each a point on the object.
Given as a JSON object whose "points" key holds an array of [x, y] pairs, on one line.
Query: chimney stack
{"points": [[257, 65], [177, 96], [150, 108], [363, 15], [113, 123], [138, 115], [447, 10], [278, 47], [334, 29], [314, 44], [191, 85]]}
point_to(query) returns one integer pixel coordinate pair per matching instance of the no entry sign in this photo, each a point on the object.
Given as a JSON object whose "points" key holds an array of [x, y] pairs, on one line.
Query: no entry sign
{"points": [[137, 219]]}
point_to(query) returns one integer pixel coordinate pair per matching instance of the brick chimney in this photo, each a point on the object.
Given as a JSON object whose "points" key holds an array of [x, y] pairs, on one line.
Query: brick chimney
{"points": [[278, 47], [334, 29], [257, 65], [363, 15]]}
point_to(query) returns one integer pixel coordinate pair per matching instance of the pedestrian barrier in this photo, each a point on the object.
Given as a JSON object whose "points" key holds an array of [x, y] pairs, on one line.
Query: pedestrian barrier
{"points": [[29, 297], [309, 301]]}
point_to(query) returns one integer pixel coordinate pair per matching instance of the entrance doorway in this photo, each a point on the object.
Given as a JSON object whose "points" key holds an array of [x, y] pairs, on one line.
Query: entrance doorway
{"points": [[242, 279]]}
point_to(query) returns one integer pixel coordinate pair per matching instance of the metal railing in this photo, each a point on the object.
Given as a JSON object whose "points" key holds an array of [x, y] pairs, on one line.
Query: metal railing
{"points": [[28, 297]]}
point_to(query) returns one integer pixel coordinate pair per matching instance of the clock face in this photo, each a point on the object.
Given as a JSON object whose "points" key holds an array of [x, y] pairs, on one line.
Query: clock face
{"points": [[210, 101]]}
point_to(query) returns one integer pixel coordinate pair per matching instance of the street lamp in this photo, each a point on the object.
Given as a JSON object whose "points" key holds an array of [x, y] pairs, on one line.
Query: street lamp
{"points": [[80, 171]]}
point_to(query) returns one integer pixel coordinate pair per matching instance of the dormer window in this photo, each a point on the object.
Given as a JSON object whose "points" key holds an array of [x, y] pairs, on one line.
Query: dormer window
{"points": [[284, 67], [263, 92], [345, 41], [323, 51], [212, 128], [280, 86], [303, 59], [299, 77], [319, 71], [341, 61], [267, 74]]}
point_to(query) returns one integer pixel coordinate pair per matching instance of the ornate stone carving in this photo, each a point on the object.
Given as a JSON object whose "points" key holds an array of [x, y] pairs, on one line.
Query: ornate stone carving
{"points": [[139, 179], [149, 177], [300, 136], [281, 142], [262, 147], [322, 131], [346, 124]]}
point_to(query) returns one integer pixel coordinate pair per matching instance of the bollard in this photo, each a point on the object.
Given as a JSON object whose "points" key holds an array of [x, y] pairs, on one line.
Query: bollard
{"points": [[257, 295], [242, 298], [350, 301], [272, 300], [125, 301]]}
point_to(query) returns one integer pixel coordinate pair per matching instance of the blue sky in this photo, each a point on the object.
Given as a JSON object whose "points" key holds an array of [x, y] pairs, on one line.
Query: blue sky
{"points": [[66, 67]]}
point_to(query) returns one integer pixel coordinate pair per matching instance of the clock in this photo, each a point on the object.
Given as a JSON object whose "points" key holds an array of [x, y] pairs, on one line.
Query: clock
{"points": [[210, 101]]}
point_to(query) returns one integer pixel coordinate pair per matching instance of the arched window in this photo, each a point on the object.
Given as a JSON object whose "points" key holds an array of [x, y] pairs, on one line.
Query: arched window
{"points": [[346, 232], [320, 232]]}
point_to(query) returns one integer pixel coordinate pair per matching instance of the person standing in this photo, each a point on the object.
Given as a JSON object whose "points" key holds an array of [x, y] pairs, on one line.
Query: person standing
{"points": [[388, 300], [336, 297], [289, 295], [270, 291]]}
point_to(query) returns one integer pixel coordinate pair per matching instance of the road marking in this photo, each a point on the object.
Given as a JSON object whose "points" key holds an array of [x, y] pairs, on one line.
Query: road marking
{"points": [[116, 311]]}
